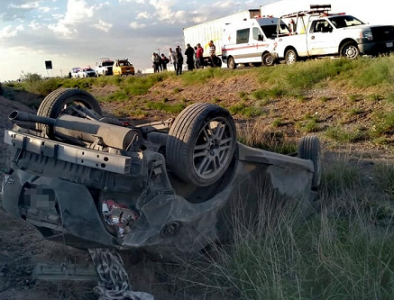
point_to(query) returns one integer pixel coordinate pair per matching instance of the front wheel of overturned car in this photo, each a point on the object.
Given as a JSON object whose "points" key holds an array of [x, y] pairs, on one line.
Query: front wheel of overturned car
{"points": [[201, 144], [309, 148], [56, 102]]}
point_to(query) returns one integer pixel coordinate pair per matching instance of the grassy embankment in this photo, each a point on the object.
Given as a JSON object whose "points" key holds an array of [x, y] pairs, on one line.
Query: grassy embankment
{"points": [[345, 251], [365, 87]]}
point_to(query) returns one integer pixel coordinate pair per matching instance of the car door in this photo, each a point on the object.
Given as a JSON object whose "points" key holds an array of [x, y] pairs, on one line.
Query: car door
{"points": [[321, 39], [259, 45]]}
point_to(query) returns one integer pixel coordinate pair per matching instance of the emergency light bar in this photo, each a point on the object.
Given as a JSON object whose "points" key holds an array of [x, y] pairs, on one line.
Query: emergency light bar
{"points": [[321, 6]]}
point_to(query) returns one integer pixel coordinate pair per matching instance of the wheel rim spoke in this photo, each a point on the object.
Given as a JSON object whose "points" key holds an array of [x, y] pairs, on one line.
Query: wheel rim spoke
{"points": [[204, 165], [225, 141], [201, 153], [222, 148], [210, 154], [201, 147]]}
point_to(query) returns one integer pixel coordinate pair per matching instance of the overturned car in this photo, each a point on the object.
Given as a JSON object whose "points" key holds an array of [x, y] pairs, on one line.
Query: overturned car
{"points": [[165, 187]]}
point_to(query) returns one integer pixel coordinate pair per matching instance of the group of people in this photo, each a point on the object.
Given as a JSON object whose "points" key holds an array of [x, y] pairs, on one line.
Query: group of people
{"points": [[159, 62], [194, 58]]}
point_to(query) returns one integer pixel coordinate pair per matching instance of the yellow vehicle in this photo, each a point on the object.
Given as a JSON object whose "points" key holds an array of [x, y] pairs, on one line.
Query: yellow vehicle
{"points": [[123, 67]]}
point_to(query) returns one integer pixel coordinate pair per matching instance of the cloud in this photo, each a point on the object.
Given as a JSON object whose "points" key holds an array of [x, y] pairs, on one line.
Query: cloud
{"points": [[103, 26], [136, 25], [57, 16], [165, 11], [136, 1], [10, 31], [78, 11], [143, 15], [17, 9], [34, 25], [26, 5], [46, 9]]}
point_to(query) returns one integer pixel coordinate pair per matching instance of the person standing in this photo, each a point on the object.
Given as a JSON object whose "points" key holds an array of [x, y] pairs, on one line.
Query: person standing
{"points": [[199, 56], [212, 53], [189, 57], [156, 62], [171, 57], [164, 61], [179, 61]]}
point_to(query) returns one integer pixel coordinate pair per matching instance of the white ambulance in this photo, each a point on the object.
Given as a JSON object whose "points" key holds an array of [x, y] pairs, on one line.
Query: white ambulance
{"points": [[251, 41]]}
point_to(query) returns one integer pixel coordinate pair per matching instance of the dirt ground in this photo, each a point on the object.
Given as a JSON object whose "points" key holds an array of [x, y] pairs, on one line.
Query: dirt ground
{"points": [[21, 246]]}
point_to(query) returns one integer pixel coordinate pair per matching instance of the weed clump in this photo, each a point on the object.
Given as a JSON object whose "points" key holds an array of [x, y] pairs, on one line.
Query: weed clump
{"points": [[173, 109], [349, 135], [245, 110]]}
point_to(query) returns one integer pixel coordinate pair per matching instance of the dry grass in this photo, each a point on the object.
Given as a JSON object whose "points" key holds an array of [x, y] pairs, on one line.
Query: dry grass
{"points": [[343, 251], [254, 134]]}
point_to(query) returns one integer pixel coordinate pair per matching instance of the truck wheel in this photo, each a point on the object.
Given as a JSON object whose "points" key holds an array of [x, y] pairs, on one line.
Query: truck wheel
{"points": [[218, 62], [231, 63], [309, 148], [268, 60], [201, 144], [291, 56], [350, 50], [53, 105]]}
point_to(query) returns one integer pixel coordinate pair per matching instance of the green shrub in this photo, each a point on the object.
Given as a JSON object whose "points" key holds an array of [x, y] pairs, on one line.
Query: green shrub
{"points": [[118, 96], [277, 122], [346, 135], [354, 97], [249, 111], [311, 126], [384, 124], [174, 109], [324, 98]]}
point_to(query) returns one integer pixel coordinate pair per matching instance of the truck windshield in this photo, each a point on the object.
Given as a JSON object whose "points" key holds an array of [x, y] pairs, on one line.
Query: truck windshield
{"points": [[107, 63], [270, 30], [345, 21]]}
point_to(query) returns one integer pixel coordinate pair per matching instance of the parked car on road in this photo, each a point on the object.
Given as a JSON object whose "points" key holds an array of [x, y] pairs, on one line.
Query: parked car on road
{"points": [[123, 67], [87, 72], [76, 72]]}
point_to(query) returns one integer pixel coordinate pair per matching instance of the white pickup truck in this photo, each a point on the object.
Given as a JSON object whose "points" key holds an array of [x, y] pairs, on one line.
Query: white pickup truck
{"points": [[104, 67], [318, 32]]}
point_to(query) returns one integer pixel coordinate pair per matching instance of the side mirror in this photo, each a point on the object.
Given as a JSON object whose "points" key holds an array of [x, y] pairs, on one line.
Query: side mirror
{"points": [[330, 29], [260, 37]]}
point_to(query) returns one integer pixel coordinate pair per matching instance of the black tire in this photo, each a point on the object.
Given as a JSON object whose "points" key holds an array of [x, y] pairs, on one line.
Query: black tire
{"points": [[197, 152], [231, 63], [54, 103], [309, 148], [218, 62], [291, 56], [350, 50], [268, 60]]}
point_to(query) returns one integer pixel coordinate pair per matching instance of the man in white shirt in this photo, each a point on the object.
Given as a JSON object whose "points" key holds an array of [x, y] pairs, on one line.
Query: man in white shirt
{"points": [[171, 57]]}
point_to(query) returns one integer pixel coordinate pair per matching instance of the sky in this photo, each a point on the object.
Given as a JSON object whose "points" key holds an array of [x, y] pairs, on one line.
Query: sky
{"points": [[74, 33]]}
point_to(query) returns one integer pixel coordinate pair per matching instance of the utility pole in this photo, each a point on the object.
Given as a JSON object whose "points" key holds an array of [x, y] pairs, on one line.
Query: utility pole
{"points": [[158, 51], [61, 73]]}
